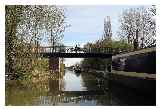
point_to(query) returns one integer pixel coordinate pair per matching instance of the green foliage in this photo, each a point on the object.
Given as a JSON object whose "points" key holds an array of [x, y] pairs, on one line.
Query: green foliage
{"points": [[20, 73], [24, 28], [95, 63], [101, 64], [138, 24], [41, 65], [12, 19], [121, 45]]}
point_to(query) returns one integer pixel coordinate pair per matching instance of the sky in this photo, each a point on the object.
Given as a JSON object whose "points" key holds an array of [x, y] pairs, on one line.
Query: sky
{"points": [[87, 24]]}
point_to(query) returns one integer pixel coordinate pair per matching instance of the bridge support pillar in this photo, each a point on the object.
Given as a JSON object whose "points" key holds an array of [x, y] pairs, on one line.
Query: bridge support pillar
{"points": [[54, 64], [61, 66]]}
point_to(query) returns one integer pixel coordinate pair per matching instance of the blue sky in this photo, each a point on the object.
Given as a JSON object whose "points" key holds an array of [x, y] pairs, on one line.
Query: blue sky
{"points": [[87, 22]]}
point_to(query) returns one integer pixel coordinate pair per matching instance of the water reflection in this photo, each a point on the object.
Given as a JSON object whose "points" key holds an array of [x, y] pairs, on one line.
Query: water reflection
{"points": [[73, 82], [70, 89]]}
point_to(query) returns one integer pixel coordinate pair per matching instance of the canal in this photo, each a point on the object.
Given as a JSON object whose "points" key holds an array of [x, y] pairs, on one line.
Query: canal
{"points": [[79, 89]]}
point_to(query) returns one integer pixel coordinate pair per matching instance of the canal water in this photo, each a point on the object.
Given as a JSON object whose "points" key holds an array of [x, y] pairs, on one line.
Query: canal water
{"points": [[73, 89]]}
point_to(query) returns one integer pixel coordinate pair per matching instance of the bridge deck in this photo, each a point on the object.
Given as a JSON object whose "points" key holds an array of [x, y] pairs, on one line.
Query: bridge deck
{"points": [[77, 55]]}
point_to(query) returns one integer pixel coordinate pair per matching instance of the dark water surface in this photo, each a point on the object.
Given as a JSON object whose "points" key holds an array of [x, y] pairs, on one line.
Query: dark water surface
{"points": [[72, 89]]}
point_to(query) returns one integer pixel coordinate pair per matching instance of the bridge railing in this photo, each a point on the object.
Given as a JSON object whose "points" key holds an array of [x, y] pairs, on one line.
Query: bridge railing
{"points": [[98, 50], [55, 49], [69, 49]]}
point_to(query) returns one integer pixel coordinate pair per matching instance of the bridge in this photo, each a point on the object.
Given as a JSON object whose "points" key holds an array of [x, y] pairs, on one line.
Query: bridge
{"points": [[73, 52]]}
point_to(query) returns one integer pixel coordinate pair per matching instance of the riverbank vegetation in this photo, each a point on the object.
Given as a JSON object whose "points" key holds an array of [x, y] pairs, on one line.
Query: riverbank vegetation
{"points": [[136, 31], [29, 27], [26, 28]]}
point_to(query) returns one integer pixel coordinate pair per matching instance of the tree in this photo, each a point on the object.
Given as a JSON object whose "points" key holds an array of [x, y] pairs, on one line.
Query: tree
{"points": [[25, 26], [43, 19], [54, 24], [13, 17], [137, 21]]}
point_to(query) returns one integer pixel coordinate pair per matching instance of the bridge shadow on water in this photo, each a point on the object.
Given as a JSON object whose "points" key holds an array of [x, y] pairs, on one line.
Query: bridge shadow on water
{"points": [[97, 91], [70, 89]]}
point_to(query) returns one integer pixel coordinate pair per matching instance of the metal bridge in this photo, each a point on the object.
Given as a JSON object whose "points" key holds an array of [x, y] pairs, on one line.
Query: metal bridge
{"points": [[78, 52], [73, 52]]}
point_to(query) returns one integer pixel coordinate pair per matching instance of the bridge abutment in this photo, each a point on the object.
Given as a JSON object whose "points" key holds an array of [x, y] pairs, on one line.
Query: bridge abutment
{"points": [[135, 70], [54, 63]]}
